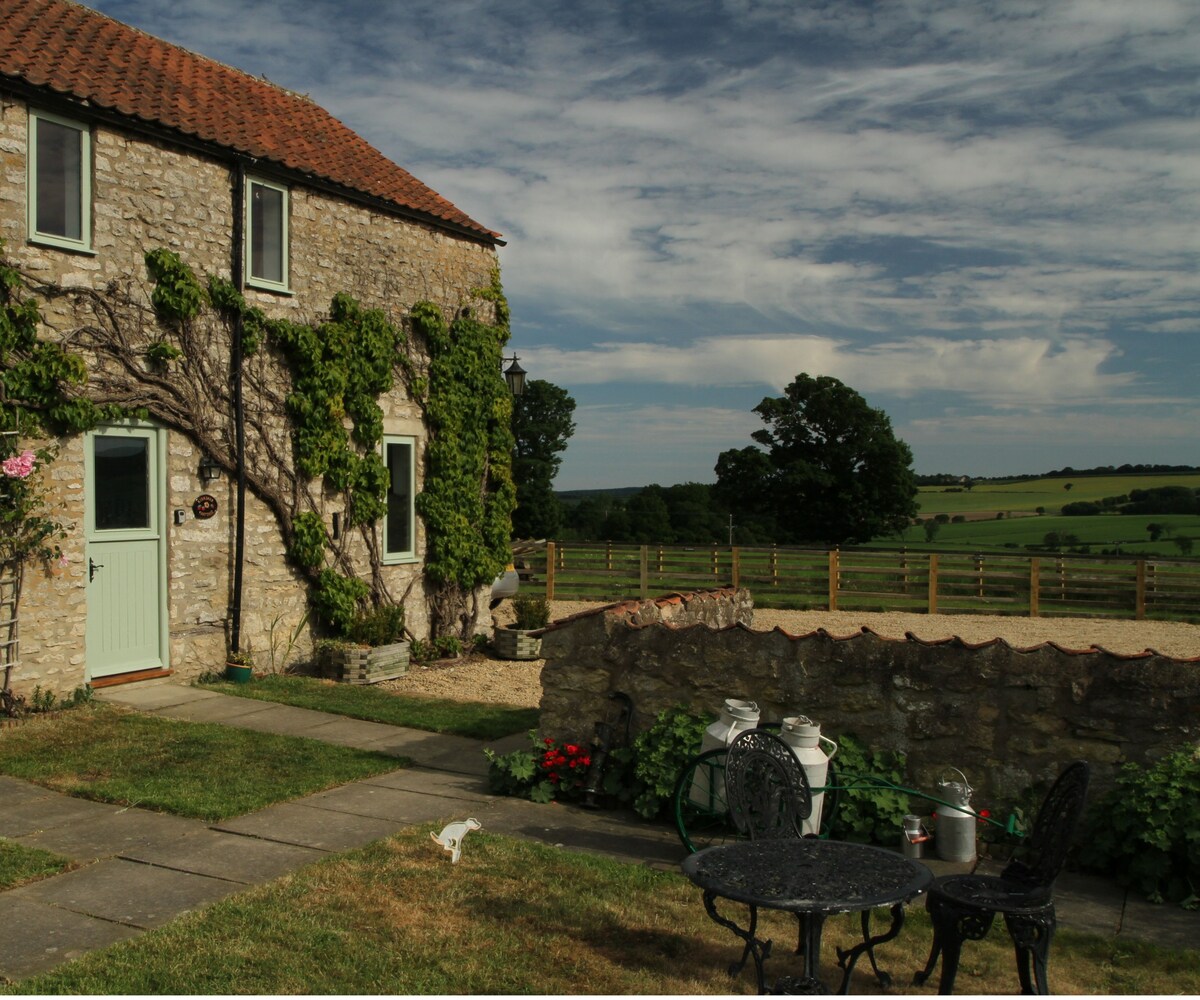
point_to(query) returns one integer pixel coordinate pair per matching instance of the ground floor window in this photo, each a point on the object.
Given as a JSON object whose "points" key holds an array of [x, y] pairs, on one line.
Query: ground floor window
{"points": [[398, 524]]}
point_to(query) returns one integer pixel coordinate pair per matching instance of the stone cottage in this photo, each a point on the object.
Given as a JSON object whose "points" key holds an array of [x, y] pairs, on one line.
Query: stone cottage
{"points": [[114, 143]]}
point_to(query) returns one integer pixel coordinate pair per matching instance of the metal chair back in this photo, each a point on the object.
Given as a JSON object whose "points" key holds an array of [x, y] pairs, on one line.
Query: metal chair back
{"points": [[765, 786], [1045, 850]]}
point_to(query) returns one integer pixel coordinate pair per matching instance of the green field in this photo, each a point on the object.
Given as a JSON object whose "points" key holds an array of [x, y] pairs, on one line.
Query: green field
{"points": [[988, 498], [1112, 533]]}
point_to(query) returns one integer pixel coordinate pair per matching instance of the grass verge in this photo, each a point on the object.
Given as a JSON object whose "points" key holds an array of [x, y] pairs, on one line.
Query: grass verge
{"points": [[458, 718], [20, 864], [518, 917], [191, 769]]}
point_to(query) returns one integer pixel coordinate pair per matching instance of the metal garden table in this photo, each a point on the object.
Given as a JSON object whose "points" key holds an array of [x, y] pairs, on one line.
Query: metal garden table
{"points": [[813, 879]]}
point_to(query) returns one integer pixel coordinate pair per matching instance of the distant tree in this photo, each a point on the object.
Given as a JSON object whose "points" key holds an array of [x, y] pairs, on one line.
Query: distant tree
{"points": [[1183, 544], [541, 425], [932, 527], [1155, 530], [1067, 486], [1052, 540], [649, 520], [832, 470]]}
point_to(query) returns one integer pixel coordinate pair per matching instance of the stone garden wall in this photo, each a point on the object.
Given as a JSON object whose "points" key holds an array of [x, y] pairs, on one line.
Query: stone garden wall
{"points": [[1009, 718]]}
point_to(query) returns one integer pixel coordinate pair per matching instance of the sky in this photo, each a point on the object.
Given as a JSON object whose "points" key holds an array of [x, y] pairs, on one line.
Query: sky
{"points": [[983, 216]]}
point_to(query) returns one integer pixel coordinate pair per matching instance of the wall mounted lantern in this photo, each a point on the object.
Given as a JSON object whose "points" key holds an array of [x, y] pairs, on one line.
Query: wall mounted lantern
{"points": [[514, 375], [209, 470]]}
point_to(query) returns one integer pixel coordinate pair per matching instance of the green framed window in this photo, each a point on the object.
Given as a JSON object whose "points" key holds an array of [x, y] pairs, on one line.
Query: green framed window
{"points": [[266, 235], [59, 181], [399, 524]]}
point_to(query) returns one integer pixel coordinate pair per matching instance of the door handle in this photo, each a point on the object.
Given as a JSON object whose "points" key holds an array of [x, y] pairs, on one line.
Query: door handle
{"points": [[92, 567]]}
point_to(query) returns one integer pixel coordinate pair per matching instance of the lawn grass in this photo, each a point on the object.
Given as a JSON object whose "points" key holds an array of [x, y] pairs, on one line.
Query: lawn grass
{"points": [[514, 916], [200, 770], [458, 718], [20, 864]]}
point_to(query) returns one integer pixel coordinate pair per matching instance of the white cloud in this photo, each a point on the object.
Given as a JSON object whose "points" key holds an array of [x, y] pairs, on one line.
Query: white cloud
{"points": [[1011, 372]]}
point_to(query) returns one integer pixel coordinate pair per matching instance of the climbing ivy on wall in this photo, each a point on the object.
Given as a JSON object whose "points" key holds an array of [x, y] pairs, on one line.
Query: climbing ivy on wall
{"points": [[174, 367], [469, 495]]}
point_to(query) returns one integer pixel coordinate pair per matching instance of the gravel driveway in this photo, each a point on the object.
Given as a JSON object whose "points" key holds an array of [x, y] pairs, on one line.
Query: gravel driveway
{"points": [[515, 682]]}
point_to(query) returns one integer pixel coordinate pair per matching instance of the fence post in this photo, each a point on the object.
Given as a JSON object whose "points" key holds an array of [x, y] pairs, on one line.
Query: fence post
{"points": [[644, 571], [1139, 604], [735, 568], [933, 566], [550, 567], [979, 574], [608, 556], [716, 564], [833, 579], [1035, 583], [774, 565]]}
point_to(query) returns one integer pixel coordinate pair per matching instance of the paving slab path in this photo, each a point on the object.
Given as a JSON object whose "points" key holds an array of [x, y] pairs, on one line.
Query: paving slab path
{"points": [[139, 869]]}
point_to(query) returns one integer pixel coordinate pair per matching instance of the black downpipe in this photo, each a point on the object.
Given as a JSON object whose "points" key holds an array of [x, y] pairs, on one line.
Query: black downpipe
{"points": [[239, 415]]}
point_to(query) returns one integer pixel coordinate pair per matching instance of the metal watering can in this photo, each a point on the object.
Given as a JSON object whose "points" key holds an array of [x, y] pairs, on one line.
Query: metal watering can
{"points": [[956, 823]]}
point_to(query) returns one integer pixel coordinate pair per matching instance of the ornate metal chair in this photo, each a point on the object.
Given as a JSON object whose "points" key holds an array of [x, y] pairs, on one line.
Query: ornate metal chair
{"points": [[963, 907], [765, 787]]}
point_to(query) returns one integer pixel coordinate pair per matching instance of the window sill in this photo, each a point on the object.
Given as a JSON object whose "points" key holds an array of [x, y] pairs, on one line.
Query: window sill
{"points": [[55, 243]]}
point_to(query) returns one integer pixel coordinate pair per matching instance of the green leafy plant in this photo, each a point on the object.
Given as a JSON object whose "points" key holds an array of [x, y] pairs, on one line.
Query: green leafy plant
{"points": [[160, 352], [240, 658], [469, 495], [548, 770], [644, 774], [420, 651], [1145, 830], [281, 646], [447, 646], [868, 813], [380, 625], [531, 612]]}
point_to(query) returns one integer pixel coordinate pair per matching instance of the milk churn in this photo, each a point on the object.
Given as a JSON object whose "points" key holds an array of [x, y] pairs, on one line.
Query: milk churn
{"points": [[736, 717], [956, 824], [913, 837], [804, 737]]}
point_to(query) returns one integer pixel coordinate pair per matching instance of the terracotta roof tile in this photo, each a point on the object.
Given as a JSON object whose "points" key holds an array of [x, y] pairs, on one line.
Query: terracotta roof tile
{"points": [[76, 52]]}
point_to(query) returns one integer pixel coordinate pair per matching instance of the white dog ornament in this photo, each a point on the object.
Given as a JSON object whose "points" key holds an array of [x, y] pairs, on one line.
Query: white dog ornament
{"points": [[451, 837]]}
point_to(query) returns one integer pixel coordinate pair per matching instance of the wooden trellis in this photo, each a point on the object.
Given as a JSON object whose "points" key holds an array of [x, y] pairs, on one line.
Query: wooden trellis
{"points": [[10, 585]]}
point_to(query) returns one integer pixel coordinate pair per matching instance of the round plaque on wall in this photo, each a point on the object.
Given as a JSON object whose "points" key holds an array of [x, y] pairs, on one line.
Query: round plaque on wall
{"points": [[204, 506]]}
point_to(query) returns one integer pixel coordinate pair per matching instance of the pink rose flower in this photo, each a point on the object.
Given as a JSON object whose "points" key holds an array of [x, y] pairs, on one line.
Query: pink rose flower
{"points": [[18, 466]]}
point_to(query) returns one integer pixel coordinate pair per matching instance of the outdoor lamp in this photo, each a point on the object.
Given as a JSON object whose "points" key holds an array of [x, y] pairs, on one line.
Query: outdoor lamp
{"points": [[209, 470], [514, 375]]}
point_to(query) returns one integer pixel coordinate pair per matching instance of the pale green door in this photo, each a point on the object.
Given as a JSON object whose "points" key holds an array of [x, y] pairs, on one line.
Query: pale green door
{"points": [[126, 601]]}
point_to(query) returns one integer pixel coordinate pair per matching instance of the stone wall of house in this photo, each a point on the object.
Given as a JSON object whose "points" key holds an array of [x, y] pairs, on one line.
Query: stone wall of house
{"points": [[148, 194], [1009, 718]]}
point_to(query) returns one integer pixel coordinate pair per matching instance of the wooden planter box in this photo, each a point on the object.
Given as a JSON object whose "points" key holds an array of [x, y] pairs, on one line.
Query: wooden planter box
{"points": [[517, 644], [364, 664]]}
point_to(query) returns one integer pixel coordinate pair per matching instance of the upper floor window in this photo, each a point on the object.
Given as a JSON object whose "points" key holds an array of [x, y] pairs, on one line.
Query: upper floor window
{"points": [[60, 181], [398, 523], [266, 235]]}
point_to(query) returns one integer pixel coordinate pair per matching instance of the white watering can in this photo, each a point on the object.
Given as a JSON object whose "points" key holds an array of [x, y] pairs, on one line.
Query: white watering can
{"points": [[804, 737]]}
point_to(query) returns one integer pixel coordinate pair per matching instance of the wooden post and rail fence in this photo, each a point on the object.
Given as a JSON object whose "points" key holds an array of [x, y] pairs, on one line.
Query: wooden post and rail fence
{"points": [[863, 579]]}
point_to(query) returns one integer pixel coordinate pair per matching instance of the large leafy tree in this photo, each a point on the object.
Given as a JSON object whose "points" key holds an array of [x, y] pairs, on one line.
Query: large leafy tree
{"points": [[829, 468], [542, 425]]}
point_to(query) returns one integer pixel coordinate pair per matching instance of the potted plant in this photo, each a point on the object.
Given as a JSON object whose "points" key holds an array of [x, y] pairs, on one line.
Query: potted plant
{"points": [[372, 649], [239, 666], [517, 641]]}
